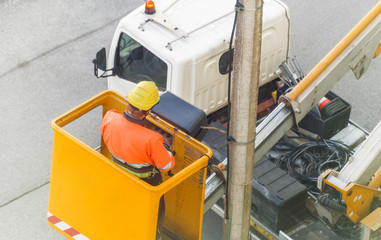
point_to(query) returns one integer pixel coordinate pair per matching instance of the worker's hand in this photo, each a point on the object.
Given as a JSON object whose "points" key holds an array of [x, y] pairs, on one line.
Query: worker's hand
{"points": [[167, 147]]}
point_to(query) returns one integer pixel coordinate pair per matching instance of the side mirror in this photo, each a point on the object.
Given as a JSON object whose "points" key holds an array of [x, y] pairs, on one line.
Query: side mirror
{"points": [[101, 59], [100, 65]]}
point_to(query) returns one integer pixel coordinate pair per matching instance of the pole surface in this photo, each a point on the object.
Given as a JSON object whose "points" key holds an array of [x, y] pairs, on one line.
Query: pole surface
{"points": [[244, 97]]}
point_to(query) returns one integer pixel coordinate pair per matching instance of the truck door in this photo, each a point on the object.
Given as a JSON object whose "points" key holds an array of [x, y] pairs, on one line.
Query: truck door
{"points": [[133, 63]]}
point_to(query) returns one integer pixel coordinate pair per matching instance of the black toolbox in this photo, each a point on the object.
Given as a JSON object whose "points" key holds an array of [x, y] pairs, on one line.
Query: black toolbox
{"points": [[278, 200], [328, 127]]}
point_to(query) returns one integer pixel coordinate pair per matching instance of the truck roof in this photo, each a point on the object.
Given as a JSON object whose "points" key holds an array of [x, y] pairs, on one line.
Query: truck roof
{"points": [[192, 37], [185, 16], [193, 21]]}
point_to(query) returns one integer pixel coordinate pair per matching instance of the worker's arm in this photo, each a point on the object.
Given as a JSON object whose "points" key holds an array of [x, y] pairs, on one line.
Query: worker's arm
{"points": [[162, 158]]}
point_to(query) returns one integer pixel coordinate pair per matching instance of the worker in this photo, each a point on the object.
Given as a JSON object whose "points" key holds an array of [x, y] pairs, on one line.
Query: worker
{"points": [[133, 146]]}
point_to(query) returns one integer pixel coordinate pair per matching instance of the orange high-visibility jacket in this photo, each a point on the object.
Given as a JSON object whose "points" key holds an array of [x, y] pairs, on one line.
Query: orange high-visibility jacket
{"points": [[134, 143]]}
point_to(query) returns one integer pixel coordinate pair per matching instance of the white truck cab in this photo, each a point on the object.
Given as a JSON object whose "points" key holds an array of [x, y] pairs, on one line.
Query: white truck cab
{"points": [[183, 46]]}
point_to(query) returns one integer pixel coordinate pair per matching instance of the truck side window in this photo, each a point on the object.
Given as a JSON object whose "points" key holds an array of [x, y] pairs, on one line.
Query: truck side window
{"points": [[136, 63], [226, 60]]}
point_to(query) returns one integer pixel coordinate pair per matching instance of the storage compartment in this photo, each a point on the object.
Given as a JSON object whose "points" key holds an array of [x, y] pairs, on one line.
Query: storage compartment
{"points": [[278, 200], [181, 114], [328, 122]]}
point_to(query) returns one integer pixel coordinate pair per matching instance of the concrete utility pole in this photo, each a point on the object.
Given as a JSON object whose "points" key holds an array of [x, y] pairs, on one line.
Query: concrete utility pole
{"points": [[244, 98]]}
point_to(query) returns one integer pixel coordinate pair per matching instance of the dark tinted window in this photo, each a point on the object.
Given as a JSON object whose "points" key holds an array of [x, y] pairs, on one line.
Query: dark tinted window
{"points": [[136, 63]]}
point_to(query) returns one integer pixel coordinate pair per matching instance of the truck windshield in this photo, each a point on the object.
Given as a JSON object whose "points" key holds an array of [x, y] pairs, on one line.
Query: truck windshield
{"points": [[136, 63]]}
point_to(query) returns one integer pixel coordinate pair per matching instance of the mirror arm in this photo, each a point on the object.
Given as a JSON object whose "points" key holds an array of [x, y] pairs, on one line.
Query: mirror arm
{"points": [[106, 73], [110, 72], [95, 68]]}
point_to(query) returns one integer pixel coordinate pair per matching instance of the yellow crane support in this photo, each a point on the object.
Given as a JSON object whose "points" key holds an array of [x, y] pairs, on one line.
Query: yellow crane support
{"points": [[373, 13]]}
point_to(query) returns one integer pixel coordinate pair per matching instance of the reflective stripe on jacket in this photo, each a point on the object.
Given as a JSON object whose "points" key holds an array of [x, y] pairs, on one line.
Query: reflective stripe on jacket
{"points": [[133, 143]]}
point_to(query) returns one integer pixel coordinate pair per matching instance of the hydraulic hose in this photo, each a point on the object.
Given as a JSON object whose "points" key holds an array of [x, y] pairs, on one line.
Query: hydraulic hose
{"points": [[330, 203]]}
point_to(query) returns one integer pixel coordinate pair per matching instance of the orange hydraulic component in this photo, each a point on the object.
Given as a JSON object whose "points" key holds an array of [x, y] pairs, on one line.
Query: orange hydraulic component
{"points": [[99, 200], [307, 80], [358, 198]]}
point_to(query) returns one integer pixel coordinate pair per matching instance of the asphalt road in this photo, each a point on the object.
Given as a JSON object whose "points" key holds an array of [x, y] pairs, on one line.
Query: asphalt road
{"points": [[45, 69]]}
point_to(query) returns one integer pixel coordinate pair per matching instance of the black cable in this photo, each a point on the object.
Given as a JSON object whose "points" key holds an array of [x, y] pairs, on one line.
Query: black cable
{"points": [[332, 203], [309, 160], [228, 137]]}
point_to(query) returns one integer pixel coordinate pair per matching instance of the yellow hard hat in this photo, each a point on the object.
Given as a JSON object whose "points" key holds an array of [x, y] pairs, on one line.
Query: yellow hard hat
{"points": [[144, 95]]}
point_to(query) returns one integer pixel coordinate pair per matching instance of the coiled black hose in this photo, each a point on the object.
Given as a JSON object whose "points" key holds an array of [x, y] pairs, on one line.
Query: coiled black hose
{"points": [[324, 200], [308, 161]]}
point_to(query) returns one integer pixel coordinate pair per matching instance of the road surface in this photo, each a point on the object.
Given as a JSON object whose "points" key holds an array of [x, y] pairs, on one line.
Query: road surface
{"points": [[46, 53]]}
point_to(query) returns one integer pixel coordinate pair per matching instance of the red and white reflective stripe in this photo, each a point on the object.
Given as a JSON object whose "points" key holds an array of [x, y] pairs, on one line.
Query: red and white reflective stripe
{"points": [[323, 102], [65, 227]]}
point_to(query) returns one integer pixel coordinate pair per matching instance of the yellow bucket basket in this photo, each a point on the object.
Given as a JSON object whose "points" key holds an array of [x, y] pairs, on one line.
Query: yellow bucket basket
{"points": [[91, 197]]}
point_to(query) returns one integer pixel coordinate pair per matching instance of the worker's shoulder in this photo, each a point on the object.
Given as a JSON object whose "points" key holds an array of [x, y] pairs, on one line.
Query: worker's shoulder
{"points": [[151, 134], [113, 111], [111, 114]]}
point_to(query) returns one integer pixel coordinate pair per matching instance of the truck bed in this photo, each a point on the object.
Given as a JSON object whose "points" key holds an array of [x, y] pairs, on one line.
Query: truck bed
{"points": [[281, 204]]}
